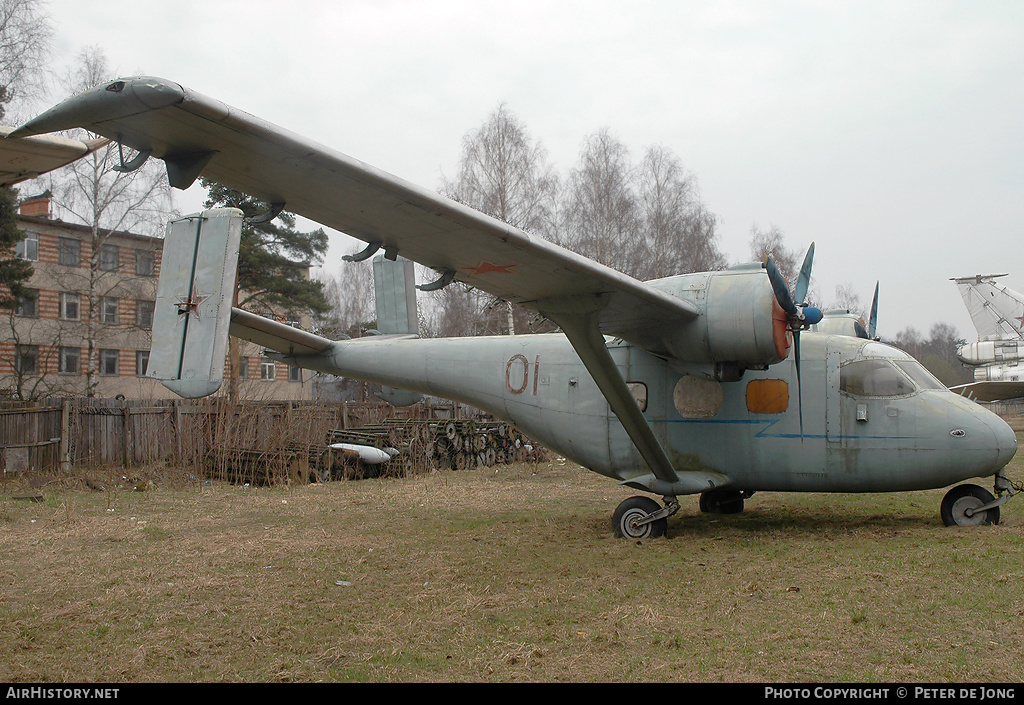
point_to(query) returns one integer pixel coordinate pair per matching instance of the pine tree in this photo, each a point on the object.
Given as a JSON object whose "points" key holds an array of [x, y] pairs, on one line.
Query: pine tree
{"points": [[14, 271], [273, 256]]}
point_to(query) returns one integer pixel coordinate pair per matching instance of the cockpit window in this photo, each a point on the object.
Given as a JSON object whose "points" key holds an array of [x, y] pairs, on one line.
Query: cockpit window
{"points": [[874, 378], [920, 374]]}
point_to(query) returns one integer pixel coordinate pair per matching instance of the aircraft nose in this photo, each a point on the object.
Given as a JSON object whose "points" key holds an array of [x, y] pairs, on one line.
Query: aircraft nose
{"points": [[1006, 442]]}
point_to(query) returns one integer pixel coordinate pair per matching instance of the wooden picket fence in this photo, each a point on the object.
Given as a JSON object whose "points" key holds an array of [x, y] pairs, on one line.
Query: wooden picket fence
{"points": [[210, 434]]}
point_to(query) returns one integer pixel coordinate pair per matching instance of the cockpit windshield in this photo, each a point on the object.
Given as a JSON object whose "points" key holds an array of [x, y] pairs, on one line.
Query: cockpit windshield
{"points": [[875, 378], [920, 374]]}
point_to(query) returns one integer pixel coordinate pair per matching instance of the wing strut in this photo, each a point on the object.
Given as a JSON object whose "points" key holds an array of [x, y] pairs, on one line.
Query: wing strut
{"points": [[578, 319]]}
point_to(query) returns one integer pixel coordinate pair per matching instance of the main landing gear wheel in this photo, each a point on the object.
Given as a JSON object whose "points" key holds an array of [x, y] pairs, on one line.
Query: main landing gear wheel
{"points": [[627, 516], [723, 501], [960, 505]]}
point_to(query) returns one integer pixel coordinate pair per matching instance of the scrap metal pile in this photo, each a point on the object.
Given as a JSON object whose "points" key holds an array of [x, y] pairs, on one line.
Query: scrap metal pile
{"points": [[422, 445], [396, 447]]}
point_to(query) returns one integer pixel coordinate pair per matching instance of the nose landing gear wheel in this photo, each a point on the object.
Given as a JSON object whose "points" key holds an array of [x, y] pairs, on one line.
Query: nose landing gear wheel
{"points": [[959, 507], [630, 512]]}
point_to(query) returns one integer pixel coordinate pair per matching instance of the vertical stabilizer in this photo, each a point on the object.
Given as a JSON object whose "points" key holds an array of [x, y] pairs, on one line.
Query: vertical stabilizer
{"points": [[996, 310], [193, 301], [394, 289]]}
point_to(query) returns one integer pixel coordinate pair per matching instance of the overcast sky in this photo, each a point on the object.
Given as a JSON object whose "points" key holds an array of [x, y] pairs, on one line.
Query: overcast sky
{"points": [[889, 133]]}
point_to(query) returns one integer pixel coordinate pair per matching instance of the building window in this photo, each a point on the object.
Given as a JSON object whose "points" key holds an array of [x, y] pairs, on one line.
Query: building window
{"points": [[268, 369], [28, 248], [108, 257], [243, 367], [141, 362], [28, 305], [144, 263], [26, 359], [69, 251], [69, 361], [294, 374], [108, 310], [69, 310], [108, 362], [144, 314]]}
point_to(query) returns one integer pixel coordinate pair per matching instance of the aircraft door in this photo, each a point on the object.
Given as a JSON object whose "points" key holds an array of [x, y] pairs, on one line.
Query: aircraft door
{"points": [[869, 411]]}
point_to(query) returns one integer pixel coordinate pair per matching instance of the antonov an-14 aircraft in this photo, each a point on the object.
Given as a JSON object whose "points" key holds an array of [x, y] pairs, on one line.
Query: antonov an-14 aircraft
{"points": [[694, 384]]}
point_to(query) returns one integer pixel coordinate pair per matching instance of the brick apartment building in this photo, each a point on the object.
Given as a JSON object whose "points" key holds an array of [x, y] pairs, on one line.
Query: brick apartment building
{"points": [[107, 299]]}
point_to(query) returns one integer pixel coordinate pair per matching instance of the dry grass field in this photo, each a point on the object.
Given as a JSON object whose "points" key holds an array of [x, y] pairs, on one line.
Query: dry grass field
{"points": [[496, 575]]}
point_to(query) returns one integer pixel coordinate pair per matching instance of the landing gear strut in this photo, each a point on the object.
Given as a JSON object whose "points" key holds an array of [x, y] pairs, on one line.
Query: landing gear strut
{"points": [[641, 517]]}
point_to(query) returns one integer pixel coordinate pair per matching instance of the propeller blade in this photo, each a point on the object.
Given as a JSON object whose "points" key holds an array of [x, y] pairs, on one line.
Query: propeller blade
{"points": [[799, 387], [803, 281], [873, 323], [780, 287]]}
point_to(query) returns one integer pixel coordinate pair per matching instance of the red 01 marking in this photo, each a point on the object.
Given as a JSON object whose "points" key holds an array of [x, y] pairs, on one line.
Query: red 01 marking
{"points": [[521, 359], [508, 374]]}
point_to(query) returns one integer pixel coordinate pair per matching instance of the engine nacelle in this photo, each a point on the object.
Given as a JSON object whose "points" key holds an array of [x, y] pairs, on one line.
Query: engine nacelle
{"points": [[741, 322]]}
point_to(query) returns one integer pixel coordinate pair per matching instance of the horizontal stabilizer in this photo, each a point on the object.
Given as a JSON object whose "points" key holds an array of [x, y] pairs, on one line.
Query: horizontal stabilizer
{"points": [[193, 301], [273, 335]]}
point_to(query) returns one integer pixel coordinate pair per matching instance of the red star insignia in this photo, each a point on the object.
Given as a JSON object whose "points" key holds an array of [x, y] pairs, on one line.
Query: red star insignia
{"points": [[486, 267], [190, 304]]}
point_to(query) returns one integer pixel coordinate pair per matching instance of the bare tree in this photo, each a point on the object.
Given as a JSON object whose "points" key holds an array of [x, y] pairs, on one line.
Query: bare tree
{"points": [[25, 35], [771, 243], [92, 192], [24, 47], [350, 294], [848, 299], [601, 217], [504, 173], [678, 228]]}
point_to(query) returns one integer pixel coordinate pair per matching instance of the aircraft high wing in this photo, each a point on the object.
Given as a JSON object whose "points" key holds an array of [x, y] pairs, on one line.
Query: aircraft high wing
{"points": [[196, 135], [21, 160]]}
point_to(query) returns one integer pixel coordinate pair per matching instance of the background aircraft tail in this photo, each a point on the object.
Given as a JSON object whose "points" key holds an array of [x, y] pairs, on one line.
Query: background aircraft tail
{"points": [[997, 311]]}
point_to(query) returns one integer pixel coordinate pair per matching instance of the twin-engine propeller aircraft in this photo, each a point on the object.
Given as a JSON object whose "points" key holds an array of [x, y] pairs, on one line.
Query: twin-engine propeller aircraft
{"points": [[695, 384], [998, 356]]}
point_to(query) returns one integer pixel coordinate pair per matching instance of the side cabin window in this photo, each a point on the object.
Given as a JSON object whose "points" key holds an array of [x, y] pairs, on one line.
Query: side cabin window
{"points": [[639, 392], [874, 378]]}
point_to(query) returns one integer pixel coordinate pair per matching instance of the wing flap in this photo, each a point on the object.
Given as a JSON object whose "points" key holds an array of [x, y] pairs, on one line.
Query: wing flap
{"points": [[275, 165]]}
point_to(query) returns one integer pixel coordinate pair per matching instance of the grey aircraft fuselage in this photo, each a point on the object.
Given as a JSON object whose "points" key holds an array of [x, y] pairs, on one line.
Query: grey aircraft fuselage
{"points": [[895, 438]]}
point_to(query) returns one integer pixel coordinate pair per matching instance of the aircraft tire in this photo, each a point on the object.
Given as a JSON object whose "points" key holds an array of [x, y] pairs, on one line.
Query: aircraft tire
{"points": [[633, 509], [721, 501], [963, 497]]}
